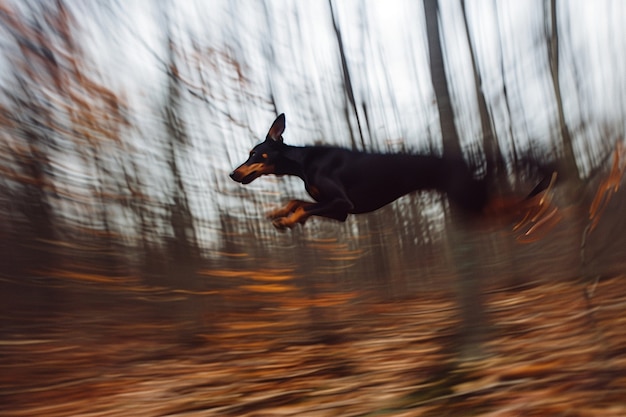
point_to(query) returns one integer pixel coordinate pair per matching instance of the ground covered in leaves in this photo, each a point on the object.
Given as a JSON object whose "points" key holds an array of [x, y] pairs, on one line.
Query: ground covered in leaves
{"points": [[551, 351]]}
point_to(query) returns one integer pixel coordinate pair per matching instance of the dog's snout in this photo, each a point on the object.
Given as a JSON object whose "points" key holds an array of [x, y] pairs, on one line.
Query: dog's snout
{"points": [[235, 176]]}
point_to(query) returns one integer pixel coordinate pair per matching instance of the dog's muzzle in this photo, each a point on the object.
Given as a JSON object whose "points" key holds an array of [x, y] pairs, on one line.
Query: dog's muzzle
{"points": [[245, 174]]}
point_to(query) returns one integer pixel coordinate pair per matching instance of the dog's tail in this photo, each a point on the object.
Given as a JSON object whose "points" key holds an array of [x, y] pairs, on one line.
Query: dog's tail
{"points": [[475, 195], [534, 214]]}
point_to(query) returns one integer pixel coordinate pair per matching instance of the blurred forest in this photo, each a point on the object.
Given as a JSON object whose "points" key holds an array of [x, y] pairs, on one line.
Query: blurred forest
{"points": [[120, 121]]}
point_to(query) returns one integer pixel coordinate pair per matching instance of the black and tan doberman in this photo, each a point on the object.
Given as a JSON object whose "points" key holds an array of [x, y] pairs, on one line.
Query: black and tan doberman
{"points": [[345, 182]]}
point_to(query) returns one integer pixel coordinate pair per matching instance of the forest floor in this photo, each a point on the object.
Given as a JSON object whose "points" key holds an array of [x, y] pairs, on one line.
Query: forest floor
{"points": [[550, 351]]}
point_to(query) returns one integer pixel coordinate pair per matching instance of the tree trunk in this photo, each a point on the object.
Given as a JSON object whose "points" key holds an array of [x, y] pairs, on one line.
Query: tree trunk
{"points": [[460, 239], [491, 147], [569, 160], [347, 81], [451, 143]]}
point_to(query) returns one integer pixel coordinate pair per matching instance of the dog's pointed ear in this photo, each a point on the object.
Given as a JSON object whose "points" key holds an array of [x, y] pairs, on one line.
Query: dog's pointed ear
{"points": [[278, 127]]}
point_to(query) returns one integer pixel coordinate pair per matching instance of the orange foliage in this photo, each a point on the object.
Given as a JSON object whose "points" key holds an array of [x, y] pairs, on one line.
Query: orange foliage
{"points": [[608, 187], [546, 357]]}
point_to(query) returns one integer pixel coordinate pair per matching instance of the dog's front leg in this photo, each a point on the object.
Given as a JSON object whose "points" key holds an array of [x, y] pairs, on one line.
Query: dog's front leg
{"points": [[336, 209], [295, 212], [289, 208]]}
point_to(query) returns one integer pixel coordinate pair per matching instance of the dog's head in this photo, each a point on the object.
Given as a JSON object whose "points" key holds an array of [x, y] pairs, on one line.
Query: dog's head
{"points": [[263, 157]]}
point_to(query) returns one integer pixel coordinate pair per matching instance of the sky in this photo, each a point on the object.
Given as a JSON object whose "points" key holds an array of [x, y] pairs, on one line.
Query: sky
{"points": [[386, 49]]}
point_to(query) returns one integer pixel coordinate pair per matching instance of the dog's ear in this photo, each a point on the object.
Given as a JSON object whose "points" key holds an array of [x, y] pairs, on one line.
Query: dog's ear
{"points": [[278, 127]]}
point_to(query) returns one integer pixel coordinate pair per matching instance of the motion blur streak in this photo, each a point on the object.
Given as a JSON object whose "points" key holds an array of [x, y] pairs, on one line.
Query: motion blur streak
{"points": [[137, 279]]}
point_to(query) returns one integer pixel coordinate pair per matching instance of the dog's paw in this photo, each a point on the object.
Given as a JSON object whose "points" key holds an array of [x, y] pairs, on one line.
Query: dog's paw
{"points": [[276, 214], [282, 223], [289, 222]]}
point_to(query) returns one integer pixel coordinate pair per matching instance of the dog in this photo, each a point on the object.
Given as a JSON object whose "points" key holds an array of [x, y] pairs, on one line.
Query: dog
{"points": [[343, 182]]}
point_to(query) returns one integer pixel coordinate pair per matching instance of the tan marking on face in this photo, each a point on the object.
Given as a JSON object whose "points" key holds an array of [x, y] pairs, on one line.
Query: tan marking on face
{"points": [[259, 167]]}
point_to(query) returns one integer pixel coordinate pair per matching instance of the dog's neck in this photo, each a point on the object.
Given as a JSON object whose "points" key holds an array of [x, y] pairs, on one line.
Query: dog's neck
{"points": [[291, 161]]}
